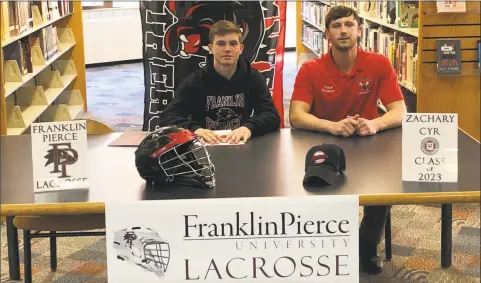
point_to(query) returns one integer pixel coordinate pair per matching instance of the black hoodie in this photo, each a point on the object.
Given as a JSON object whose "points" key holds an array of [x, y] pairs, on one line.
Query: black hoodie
{"points": [[205, 99]]}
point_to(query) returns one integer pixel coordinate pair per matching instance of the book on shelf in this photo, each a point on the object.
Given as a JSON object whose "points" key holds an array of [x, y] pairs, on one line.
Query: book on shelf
{"points": [[20, 50], [401, 14], [37, 87], [409, 59], [315, 39], [313, 35], [314, 13], [448, 57], [382, 12], [479, 55], [408, 14], [15, 52], [20, 15], [369, 8], [457, 6], [43, 10]]}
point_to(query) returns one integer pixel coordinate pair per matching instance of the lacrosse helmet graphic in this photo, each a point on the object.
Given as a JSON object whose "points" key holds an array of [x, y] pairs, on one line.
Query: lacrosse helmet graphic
{"points": [[144, 247], [175, 155]]}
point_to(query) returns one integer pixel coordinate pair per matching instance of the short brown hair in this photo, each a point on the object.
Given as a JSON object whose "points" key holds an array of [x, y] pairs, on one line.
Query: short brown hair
{"points": [[223, 27], [341, 11]]}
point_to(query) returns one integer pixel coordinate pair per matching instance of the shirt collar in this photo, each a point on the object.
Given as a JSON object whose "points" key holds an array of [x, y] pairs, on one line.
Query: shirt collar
{"points": [[358, 66]]}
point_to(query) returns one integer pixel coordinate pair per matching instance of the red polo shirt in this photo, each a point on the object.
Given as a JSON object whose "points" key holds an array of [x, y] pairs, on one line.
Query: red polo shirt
{"points": [[333, 95]]}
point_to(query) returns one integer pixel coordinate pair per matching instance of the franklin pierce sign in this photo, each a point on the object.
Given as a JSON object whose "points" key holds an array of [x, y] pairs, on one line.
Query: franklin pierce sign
{"points": [[59, 155], [301, 239]]}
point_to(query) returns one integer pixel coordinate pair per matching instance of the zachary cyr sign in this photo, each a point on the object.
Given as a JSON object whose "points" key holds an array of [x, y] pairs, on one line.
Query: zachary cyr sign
{"points": [[300, 239], [59, 155], [430, 147]]}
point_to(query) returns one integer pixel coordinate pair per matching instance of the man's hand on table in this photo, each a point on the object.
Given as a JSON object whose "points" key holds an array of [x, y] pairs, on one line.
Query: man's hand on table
{"points": [[238, 135], [208, 136], [346, 127], [233, 137], [366, 127]]}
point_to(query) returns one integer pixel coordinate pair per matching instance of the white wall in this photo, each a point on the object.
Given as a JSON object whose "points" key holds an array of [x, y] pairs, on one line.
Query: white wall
{"points": [[290, 24], [112, 35]]}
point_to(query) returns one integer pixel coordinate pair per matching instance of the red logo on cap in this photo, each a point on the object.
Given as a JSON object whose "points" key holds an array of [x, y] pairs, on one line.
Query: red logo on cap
{"points": [[319, 157]]}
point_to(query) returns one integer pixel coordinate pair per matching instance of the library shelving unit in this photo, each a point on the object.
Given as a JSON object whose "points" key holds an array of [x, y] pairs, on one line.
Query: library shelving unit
{"points": [[42, 66], [412, 49]]}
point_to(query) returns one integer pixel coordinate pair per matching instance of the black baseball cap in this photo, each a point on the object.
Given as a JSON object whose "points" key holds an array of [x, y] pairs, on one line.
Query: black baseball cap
{"points": [[323, 162]]}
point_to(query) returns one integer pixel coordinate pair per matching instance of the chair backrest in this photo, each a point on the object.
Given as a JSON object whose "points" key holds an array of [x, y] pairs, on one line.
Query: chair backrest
{"points": [[97, 128]]}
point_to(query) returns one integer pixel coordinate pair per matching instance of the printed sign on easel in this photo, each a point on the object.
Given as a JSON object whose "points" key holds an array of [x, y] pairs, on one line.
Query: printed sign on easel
{"points": [[59, 155], [430, 147]]}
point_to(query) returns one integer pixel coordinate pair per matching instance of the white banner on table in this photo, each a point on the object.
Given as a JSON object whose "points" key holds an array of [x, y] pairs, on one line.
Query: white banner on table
{"points": [[301, 239], [430, 147], [59, 155]]}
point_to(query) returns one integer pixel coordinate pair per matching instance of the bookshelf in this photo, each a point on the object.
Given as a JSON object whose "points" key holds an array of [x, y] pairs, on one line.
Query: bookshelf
{"points": [[42, 66], [416, 40]]}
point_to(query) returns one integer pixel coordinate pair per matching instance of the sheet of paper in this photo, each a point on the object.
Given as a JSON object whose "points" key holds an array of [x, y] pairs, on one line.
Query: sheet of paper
{"points": [[225, 143], [130, 138], [134, 138]]}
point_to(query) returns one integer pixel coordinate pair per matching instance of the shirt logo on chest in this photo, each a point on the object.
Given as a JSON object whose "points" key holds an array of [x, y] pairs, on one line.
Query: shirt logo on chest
{"points": [[328, 89], [365, 86]]}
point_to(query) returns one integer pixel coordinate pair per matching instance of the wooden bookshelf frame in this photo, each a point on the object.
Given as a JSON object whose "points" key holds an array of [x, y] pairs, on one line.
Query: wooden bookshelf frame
{"points": [[3, 109], [61, 94], [436, 94], [450, 94]]}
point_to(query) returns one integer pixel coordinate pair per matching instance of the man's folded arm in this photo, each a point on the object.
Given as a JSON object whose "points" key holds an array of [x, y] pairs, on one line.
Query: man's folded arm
{"points": [[300, 118], [302, 99], [266, 117], [393, 117], [179, 109]]}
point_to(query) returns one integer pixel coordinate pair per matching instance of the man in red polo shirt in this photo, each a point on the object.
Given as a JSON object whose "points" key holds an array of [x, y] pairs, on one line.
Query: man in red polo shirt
{"points": [[338, 94]]}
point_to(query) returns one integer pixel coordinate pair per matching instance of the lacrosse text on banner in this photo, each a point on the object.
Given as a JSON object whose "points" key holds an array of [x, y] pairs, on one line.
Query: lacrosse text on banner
{"points": [[300, 239], [430, 147], [59, 155]]}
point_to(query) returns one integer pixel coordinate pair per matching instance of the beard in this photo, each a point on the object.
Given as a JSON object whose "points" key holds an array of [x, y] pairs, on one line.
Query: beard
{"points": [[343, 47]]}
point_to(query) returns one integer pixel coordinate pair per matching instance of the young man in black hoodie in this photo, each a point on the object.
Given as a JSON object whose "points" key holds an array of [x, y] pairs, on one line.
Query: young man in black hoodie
{"points": [[227, 94]]}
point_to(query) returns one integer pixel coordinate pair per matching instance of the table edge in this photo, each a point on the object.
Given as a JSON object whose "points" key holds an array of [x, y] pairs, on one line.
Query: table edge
{"points": [[77, 208]]}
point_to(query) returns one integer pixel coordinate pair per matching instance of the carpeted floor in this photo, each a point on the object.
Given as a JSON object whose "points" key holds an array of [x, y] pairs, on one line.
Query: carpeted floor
{"points": [[115, 97], [416, 251]]}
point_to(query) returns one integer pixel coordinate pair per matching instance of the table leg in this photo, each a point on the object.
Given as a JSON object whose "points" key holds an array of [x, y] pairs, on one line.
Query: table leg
{"points": [[12, 242], [446, 234], [387, 238], [27, 256], [53, 252]]}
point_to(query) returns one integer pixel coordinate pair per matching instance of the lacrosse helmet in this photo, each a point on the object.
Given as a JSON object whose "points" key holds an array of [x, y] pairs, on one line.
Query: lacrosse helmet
{"points": [[144, 247], [175, 155]]}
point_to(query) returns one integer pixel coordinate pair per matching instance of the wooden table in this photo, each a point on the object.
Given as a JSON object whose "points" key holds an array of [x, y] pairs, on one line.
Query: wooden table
{"points": [[271, 165]]}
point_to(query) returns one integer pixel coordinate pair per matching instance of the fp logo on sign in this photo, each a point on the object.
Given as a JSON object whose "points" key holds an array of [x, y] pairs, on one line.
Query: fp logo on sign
{"points": [[129, 237], [61, 155]]}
